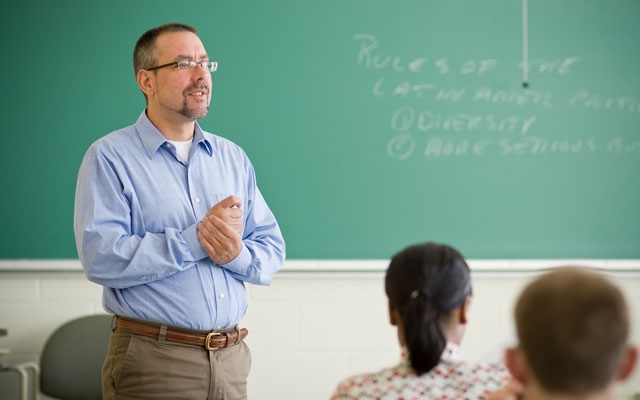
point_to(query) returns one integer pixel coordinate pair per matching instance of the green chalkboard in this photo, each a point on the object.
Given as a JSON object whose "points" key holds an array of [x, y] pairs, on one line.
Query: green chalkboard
{"points": [[371, 124]]}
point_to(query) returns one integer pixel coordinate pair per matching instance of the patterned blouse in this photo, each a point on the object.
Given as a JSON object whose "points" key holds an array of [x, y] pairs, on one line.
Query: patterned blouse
{"points": [[451, 379]]}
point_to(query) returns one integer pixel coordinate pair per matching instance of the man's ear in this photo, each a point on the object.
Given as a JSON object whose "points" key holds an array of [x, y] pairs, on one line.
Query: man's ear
{"points": [[145, 81], [464, 309], [628, 364], [516, 363]]}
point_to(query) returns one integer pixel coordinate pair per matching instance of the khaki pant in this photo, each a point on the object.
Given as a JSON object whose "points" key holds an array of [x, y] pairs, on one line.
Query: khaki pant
{"points": [[139, 367]]}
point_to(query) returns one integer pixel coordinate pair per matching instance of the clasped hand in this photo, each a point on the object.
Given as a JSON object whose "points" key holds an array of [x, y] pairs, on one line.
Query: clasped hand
{"points": [[220, 232]]}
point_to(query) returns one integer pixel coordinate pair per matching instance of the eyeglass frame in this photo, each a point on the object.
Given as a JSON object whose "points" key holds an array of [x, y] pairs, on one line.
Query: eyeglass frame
{"points": [[191, 64]]}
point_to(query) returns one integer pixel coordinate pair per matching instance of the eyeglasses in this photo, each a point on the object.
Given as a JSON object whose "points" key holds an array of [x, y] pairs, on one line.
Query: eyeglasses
{"points": [[182, 65]]}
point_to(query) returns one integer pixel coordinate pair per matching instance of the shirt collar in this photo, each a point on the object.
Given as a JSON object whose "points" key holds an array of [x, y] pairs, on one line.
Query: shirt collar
{"points": [[451, 353], [152, 139]]}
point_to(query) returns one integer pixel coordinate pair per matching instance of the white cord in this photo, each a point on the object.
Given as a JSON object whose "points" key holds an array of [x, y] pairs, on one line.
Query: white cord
{"points": [[525, 46]]}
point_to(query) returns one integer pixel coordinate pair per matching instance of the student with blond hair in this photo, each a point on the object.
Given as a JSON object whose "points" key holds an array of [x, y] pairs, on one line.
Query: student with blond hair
{"points": [[573, 331]]}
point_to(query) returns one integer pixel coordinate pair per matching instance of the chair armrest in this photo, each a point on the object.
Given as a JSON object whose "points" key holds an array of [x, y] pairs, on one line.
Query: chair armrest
{"points": [[29, 372]]}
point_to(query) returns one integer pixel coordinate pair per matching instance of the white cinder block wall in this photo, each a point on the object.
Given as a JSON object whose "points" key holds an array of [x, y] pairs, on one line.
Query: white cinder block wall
{"points": [[308, 329]]}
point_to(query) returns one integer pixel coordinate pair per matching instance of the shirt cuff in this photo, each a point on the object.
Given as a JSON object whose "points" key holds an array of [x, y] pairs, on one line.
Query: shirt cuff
{"points": [[190, 236], [241, 263]]}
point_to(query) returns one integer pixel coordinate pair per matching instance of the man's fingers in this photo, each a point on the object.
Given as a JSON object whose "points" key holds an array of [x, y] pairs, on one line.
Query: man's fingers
{"points": [[219, 240], [222, 227], [214, 226], [230, 202]]}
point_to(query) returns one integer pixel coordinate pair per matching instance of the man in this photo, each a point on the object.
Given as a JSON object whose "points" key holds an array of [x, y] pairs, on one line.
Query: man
{"points": [[573, 328], [169, 219]]}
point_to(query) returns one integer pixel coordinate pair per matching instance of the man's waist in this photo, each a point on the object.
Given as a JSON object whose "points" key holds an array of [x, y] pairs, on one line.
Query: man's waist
{"points": [[168, 302], [210, 340]]}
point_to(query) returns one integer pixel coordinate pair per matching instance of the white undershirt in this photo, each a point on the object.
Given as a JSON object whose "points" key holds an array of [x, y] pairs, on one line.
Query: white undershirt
{"points": [[182, 148]]}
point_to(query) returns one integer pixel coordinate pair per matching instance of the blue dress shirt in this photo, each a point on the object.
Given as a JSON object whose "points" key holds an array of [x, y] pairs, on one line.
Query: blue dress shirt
{"points": [[137, 208]]}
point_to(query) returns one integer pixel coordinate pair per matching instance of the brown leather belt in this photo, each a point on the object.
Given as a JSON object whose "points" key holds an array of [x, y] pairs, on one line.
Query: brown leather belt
{"points": [[210, 341]]}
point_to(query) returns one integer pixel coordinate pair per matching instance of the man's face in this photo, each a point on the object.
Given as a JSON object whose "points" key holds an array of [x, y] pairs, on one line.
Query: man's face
{"points": [[182, 93]]}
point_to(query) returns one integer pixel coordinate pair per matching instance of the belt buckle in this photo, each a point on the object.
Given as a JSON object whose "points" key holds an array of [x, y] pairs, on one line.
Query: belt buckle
{"points": [[207, 340]]}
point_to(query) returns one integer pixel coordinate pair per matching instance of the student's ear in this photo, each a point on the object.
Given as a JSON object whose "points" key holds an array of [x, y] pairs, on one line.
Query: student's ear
{"points": [[145, 81], [464, 309], [516, 363], [392, 315], [628, 363]]}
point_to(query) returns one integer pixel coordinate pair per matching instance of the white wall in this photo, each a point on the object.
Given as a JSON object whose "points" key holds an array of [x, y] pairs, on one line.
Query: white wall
{"points": [[307, 330]]}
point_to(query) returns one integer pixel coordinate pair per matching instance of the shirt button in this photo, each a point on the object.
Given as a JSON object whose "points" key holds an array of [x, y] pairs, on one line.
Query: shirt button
{"points": [[197, 199], [222, 295]]}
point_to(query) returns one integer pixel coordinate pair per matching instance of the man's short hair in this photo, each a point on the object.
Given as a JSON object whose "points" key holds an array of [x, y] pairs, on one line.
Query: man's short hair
{"points": [[145, 53], [573, 326]]}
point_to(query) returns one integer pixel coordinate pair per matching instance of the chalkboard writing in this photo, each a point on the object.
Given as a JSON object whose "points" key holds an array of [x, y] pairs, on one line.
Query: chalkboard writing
{"points": [[510, 132]]}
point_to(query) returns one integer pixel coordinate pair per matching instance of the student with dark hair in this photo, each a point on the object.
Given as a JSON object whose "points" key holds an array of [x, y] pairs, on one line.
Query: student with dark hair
{"points": [[573, 331], [429, 290]]}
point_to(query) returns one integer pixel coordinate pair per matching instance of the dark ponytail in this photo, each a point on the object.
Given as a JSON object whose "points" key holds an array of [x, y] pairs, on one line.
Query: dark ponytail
{"points": [[424, 338], [424, 283]]}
